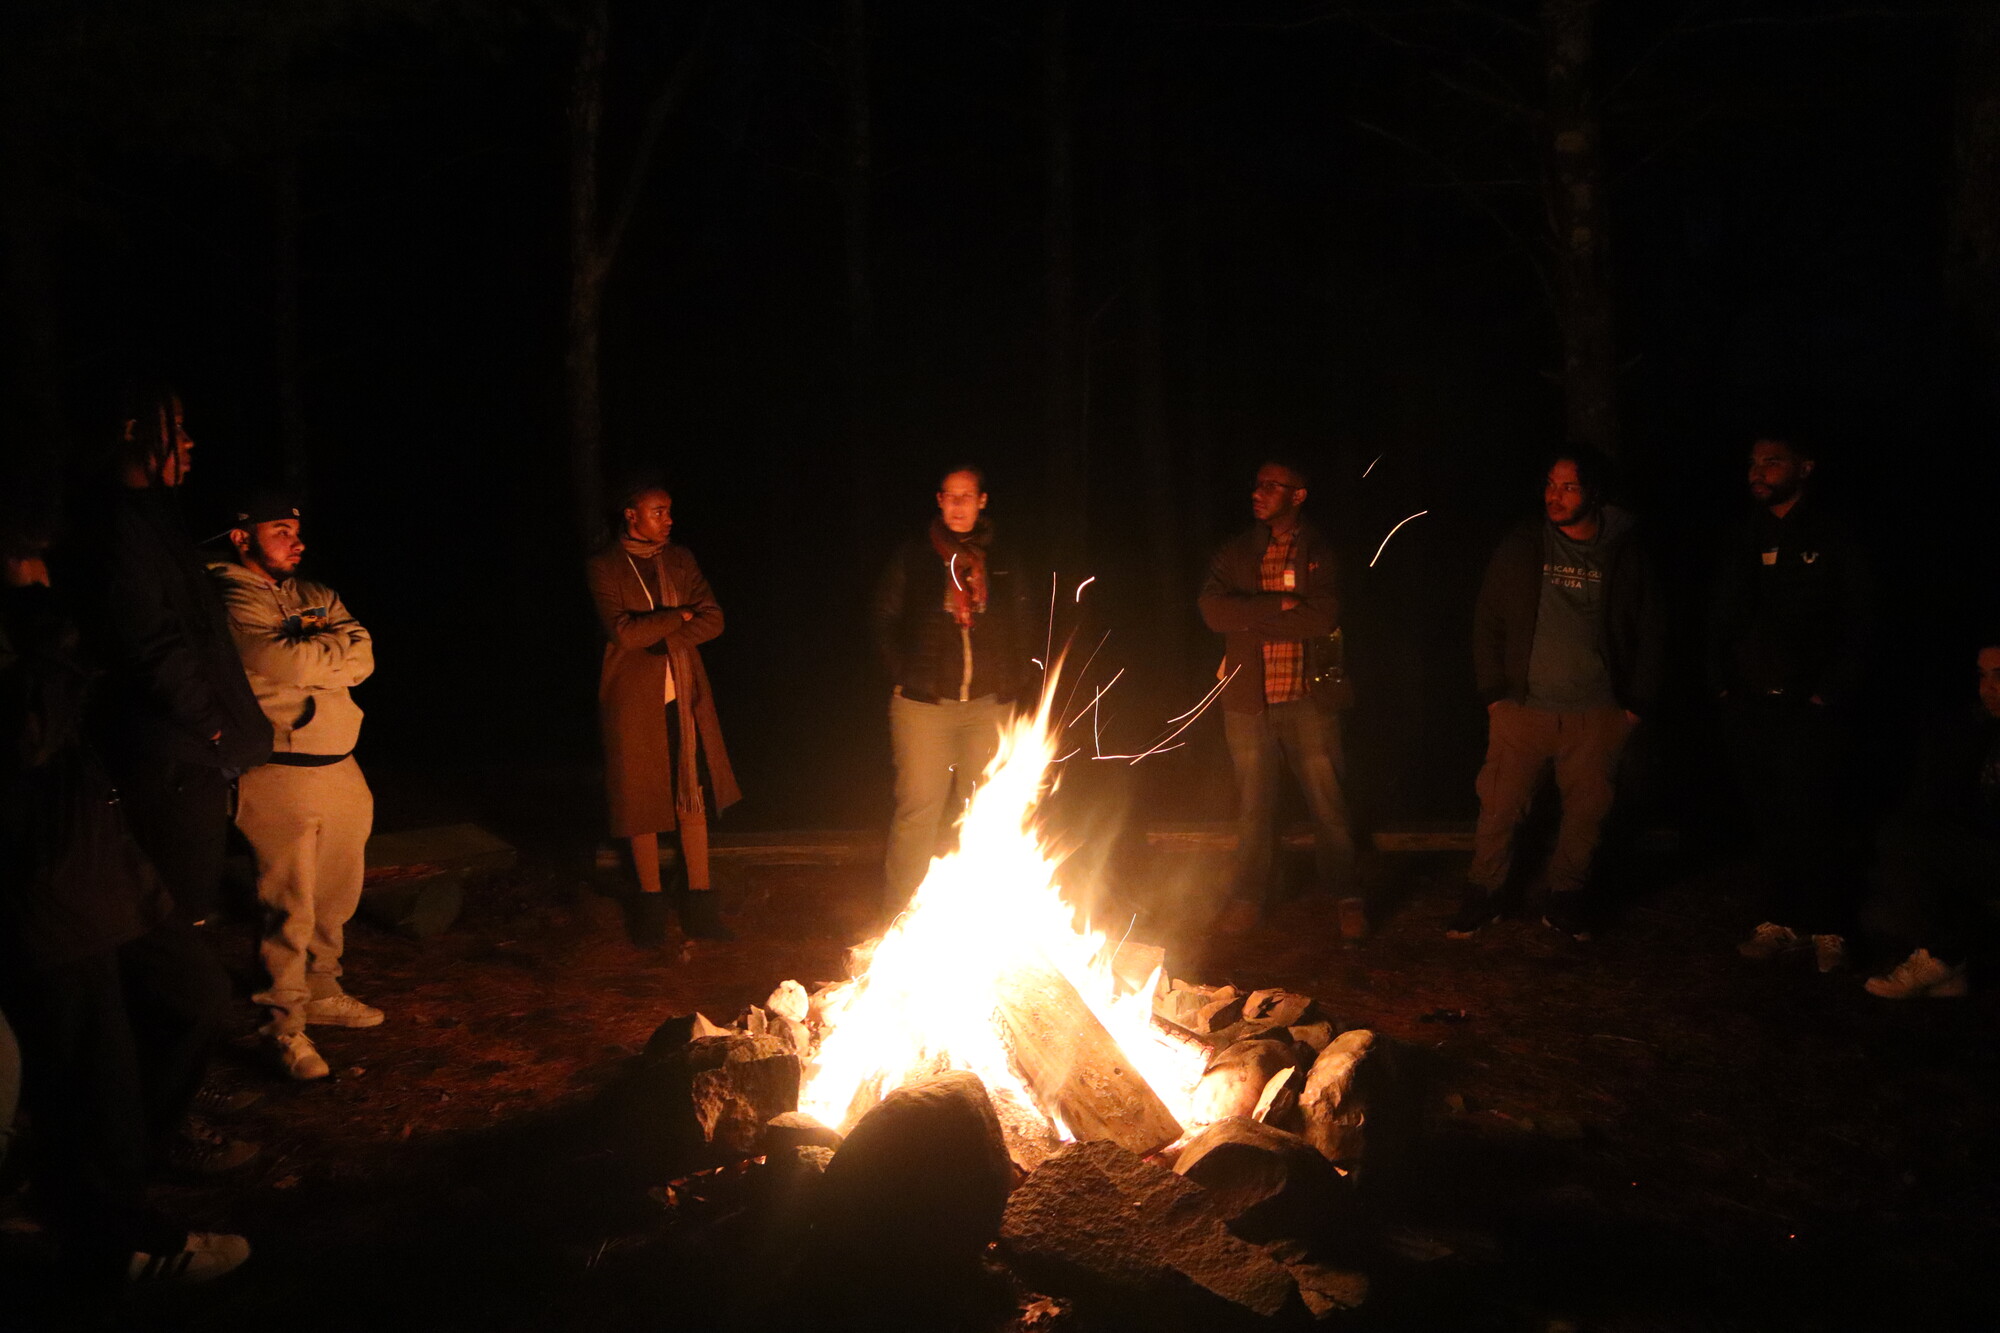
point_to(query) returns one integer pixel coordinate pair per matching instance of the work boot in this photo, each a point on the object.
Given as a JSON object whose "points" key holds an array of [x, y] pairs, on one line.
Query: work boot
{"points": [[1920, 976], [1476, 908], [196, 1150], [212, 1101], [1353, 916], [1770, 940], [1829, 952], [646, 920], [701, 916], [1564, 914]]}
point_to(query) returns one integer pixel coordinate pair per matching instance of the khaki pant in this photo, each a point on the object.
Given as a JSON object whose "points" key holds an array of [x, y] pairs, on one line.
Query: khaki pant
{"points": [[309, 830], [1521, 744]]}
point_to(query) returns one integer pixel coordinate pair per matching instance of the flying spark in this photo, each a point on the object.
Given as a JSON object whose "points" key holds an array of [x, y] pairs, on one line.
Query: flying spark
{"points": [[1370, 468], [1081, 586], [1392, 532]]}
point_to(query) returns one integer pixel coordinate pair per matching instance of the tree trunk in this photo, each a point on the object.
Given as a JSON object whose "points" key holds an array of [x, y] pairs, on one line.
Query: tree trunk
{"points": [[27, 305], [586, 288], [1068, 466], [857, 162], [1972, 279], [1574, 195], [1164, 529], [286, 220]]}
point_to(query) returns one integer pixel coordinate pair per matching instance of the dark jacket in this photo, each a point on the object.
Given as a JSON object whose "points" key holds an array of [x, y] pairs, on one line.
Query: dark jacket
{"points": [[72, 882], [1633, 628], [1800, 624], [152, 616], [920, 643], [1951, 785], [1234, 605]]}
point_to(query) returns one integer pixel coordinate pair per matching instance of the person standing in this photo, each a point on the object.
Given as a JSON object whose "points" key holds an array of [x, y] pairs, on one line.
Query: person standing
{"points": [[1271, 592], [114, 999], [180, 719], [657, 713], [307, 813], [950, 626], [1567, 644], [1939, 853], [1788, 647]]}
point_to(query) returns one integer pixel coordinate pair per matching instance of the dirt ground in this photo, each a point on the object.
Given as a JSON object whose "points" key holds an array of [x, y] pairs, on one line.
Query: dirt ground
{"points": [[1641, 1133]]}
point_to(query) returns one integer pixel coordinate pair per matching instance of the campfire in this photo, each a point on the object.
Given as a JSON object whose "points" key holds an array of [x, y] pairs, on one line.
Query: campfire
{"points": [[993, 1069], [987, 971]]}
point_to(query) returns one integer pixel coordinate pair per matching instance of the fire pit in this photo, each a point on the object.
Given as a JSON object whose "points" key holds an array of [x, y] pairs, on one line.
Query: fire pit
{"points": [[992, 1069]]}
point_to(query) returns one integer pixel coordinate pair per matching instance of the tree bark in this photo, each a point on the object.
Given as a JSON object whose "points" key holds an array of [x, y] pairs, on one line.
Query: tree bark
{"points": [[1068, 465], [1574, 194], [1972, 278], [1164, 529], [286, 223], [587, 266], [857, 180]]}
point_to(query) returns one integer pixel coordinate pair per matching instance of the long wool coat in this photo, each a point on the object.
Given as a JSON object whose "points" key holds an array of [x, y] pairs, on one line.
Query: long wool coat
{"points": [[639, 603]]}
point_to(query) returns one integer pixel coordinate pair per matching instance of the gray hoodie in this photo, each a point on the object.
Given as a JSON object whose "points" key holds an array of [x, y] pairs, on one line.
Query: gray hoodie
{"points": [[300, 674]]}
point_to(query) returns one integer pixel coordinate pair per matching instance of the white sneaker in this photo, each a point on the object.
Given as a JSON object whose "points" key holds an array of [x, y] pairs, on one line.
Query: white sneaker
{"points": [[1830, 952], [299, 1057], [342, 1011], [1768, 941], [207, 1255], [1919, 976]]}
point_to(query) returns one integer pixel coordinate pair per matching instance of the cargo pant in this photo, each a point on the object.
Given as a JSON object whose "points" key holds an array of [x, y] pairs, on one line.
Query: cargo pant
{"points": [[1522, 743], [309, 829]]}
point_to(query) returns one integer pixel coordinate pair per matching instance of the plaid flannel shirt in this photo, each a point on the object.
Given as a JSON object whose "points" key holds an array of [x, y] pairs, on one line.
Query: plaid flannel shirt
{"points": [[1284, 659]]}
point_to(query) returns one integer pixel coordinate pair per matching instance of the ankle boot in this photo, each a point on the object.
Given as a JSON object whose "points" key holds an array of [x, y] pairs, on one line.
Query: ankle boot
{"points": [[701, 915]]}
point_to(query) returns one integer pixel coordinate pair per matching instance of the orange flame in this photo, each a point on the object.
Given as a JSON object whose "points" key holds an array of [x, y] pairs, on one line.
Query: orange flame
{"points": [[926, 1000]]}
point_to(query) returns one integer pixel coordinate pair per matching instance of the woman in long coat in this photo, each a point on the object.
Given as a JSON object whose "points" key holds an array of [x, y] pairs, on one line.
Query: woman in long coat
{"points": [[656, 712]]}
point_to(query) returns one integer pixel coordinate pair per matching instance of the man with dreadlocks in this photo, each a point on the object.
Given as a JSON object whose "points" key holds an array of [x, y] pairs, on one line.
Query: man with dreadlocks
{"points": [[949, 624], [181, 718]]}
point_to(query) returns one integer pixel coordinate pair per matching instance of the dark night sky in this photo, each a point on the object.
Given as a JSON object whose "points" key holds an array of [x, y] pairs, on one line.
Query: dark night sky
{"points": [[1345, 250]]}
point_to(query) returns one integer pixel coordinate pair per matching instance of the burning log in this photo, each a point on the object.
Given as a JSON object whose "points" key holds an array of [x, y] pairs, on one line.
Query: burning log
{"points": [[1074, 1066]]}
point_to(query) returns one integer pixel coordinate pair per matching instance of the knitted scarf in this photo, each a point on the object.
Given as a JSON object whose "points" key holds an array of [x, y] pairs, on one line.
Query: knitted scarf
{"points": [[965, 557]]}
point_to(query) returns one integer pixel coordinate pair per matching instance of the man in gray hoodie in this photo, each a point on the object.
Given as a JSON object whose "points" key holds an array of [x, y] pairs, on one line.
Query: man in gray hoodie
{"points": [[307, 812]]}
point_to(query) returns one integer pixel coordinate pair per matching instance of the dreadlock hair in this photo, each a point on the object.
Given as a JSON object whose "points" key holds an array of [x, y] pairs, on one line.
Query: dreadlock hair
{"points": [[147, 402]]}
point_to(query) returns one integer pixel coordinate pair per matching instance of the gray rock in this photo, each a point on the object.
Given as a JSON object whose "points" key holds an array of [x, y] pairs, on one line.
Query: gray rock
{"points": [[1279, 1008], [1267, 1184], [1334, 1105], [796, 1129], [736, 1098], [1099, 1224], [921, 1179], [1223, 1009], [1318, 1035], [1236, 1077]]}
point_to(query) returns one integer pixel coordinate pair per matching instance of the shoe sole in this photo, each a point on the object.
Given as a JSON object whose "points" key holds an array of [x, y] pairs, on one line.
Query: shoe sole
{"points": [[374, 1022]]}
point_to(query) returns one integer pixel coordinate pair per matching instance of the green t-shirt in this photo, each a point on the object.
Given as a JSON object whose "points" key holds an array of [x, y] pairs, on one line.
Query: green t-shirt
{"points": [[1566, 670]]}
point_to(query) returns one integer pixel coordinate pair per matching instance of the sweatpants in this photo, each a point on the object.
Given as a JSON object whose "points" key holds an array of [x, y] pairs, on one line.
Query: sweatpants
{"points": [[308, 828]]}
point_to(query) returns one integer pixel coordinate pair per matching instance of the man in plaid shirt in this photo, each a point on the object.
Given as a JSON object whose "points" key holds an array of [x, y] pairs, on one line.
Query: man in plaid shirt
{"points": [[1269, 590]]}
